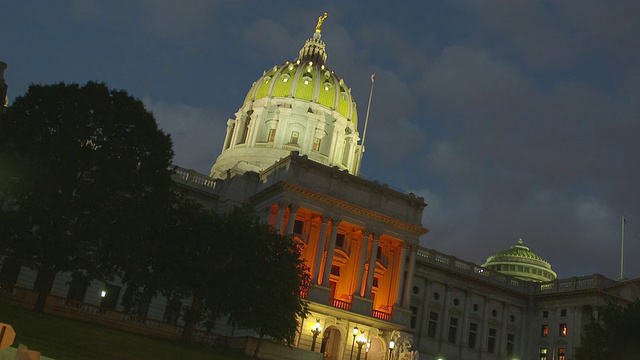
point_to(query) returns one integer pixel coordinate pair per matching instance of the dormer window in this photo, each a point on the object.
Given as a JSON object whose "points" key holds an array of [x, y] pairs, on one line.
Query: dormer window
{"points": [[306, 78], [286, 77], [294, 137]]}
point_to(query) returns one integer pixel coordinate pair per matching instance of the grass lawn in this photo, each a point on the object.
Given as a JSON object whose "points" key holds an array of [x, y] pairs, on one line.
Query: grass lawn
{"points": [[66, 339]]}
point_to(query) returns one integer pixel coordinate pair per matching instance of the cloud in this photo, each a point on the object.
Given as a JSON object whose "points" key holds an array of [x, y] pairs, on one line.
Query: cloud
{"points": [[197, 134], [261, 33]]}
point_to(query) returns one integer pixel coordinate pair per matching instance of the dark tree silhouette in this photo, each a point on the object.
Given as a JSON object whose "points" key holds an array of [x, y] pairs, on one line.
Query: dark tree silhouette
{"points": [[232, 265], [83, 170], [614, 335]]}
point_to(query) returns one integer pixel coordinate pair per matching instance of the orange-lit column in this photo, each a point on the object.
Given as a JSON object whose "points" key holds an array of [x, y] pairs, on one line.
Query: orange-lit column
{"points": [[320, 249], [400, 275], [372, 265], [363, 257], [278, 225], [409, 282], [332, 246], [293, 209]]}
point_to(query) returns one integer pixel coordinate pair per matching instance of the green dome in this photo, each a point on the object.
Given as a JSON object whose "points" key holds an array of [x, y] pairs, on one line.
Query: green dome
{"points": [[307, 78], [522, 263]]}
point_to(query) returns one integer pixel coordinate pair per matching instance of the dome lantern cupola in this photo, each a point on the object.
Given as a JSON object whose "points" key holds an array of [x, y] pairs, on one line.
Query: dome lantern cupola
{"points": [[301, 106], [522, 263]]}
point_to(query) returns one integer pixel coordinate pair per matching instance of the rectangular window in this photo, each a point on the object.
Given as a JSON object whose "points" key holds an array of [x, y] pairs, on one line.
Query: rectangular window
{"points": [[272, 135], [453, 329], [77, 288], [414, 315], [298, 227], [316, 144], [172, 311], [491, 341], [111, 295], [140, 304], [473, 331], [563, 330], [563, 312], [561, 354], [294, 137], [379, 253], [511, 340], [543, 354], [433, 324], [375, 281], [545, 314], [544, 331], [9, 274], [335, 270], [340, 241]]}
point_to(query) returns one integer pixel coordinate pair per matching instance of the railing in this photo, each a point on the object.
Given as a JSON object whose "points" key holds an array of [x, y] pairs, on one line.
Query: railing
{"points": [[83, 307], [340, 304], [141, 320], [381, 315], [573, 284], [304, 293], [203, 337], [192, 176], [451, 263]]}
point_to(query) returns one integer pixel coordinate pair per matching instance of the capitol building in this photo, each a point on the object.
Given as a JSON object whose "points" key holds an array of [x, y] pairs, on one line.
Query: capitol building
{"points": [[293, 150]]}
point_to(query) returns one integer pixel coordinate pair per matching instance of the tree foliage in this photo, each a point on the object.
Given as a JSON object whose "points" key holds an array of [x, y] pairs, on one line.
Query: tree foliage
{"points": [[232, 265], [83, 168], [614, 335]]}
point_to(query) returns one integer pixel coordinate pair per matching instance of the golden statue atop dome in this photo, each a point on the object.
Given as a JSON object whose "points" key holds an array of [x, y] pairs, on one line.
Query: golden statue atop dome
{"points": [[320, 21]]}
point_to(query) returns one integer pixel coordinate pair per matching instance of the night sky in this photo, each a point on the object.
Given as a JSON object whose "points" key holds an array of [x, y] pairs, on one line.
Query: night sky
{"points": [[513, 119]]}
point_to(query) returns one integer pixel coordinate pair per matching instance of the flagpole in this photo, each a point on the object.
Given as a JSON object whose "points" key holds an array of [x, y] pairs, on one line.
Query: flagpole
{"points": [[624, 221], [366, 119]]}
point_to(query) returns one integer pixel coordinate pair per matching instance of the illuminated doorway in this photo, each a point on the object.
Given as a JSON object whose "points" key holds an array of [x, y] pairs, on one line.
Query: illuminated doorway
{"points": [[331, 344], [377, 351]]}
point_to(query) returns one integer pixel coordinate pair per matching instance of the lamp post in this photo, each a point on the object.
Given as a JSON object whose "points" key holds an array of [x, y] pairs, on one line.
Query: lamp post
{"points": [[366, 353], [360, 340], [315, 330], [355, 333], [392, 345]]}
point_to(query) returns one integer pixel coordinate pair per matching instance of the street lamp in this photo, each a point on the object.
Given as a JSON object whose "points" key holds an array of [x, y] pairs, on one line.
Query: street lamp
{"points": [[315, 330], [392, 345], [360, 340], [355, 333], [366, 355]]}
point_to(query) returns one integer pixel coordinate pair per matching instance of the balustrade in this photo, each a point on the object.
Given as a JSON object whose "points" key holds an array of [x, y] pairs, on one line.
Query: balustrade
{"points": [[340, 304], [194, 177], [381, 315]]}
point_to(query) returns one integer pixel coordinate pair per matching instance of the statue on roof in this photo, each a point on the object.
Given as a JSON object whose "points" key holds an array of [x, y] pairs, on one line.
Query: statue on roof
{"points": [[320, 21]]}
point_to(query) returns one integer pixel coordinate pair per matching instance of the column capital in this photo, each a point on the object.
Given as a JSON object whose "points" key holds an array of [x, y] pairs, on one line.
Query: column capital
{"points": [[294, 207], [335, 220], [324, 218], [411, 247]]}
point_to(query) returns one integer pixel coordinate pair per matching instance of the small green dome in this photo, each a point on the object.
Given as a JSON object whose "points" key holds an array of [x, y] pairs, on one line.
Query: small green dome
{"points": [[522, 263]]}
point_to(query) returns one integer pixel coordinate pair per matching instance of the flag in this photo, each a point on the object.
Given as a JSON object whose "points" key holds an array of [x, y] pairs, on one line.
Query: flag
{"points": [[373, 78]]}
